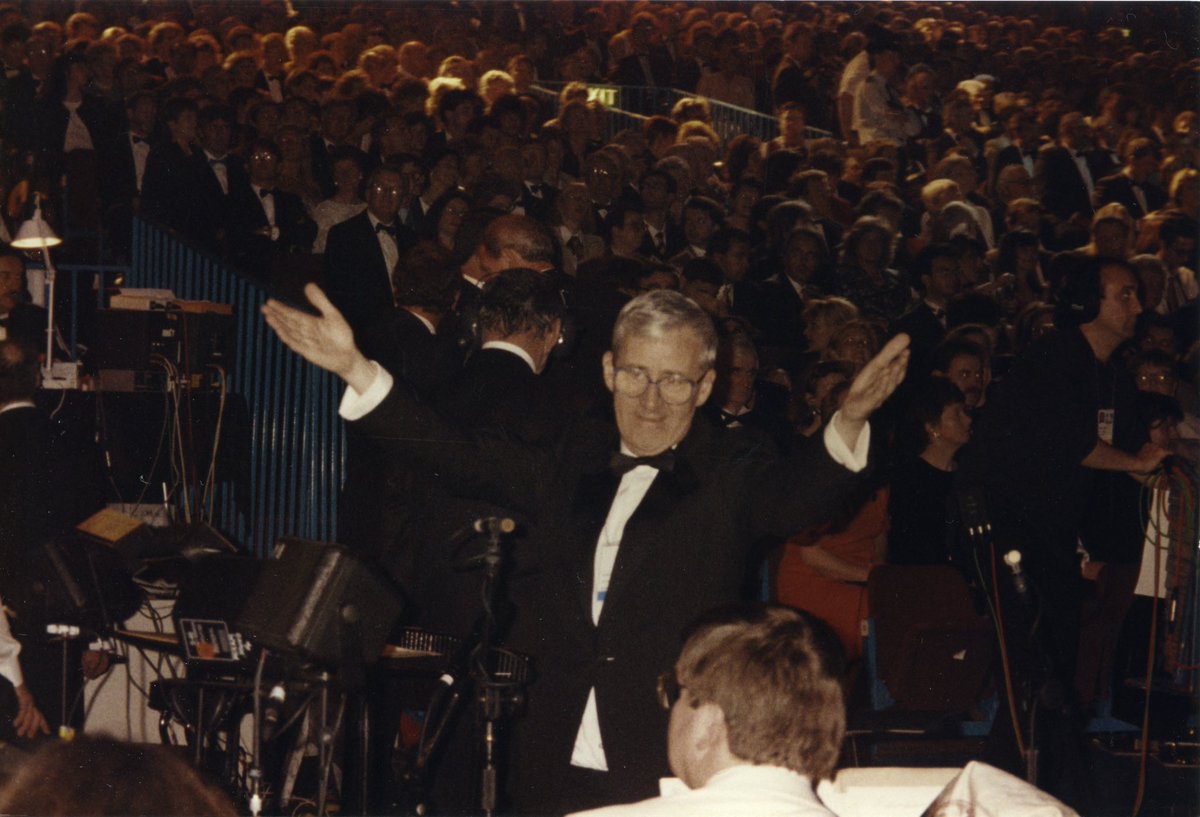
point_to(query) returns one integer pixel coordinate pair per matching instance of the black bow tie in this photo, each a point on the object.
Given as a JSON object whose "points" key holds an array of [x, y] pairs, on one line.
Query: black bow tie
{"points": [[264, 192], [622, 464], [215, 162], [390, 229], [137, 140]]}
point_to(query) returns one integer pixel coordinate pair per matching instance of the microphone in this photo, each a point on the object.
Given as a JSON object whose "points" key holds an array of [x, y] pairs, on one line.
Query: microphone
{"points": [[1013, 560], [273, 710]]}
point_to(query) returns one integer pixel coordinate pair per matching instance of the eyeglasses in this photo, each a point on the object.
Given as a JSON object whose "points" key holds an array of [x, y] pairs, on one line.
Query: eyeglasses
{"points": [[674, 389], [1148, 379], [668, 689]]}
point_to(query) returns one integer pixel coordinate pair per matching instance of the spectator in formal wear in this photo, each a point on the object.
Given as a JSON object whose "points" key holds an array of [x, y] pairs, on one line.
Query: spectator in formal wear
{"points": [[757, 718], [1066, 171], [264, 221], [362, 252], [173, 171], [702, 217], [647, 65], [347, 202], [1177, 236], [865, 274], [1133, 187]]}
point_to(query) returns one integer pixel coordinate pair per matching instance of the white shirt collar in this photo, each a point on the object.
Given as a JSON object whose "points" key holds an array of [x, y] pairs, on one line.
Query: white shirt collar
{"points": [[512, 348], [424, 320], [17, 404]]}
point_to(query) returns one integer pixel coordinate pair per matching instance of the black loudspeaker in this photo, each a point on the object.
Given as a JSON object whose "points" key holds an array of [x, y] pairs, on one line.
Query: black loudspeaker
{"points": [[321, 603]]}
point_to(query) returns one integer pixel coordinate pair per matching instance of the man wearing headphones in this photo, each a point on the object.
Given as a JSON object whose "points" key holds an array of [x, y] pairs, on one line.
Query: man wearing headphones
{"points": [[1063, 411]]}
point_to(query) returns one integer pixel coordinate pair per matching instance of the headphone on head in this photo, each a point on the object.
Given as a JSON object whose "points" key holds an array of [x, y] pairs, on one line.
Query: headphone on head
{"points": [[1078, 298]]}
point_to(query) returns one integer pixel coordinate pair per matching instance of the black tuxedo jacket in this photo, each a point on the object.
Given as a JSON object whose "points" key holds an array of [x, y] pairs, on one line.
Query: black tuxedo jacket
{"points": [[925, 330], [51, 130], [248, 242], [19, 94], [673, 241], [171, 179], [1119, 188], [177, 191], [629, 71], [683, 552], [1060, 185], [356, 276], [776, 309], [117, 172], [535, 207], [1011, 155]]}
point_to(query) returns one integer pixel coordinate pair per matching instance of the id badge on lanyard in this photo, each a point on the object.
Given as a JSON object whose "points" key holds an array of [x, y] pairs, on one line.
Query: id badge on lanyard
{"points": [[1105, 420]]}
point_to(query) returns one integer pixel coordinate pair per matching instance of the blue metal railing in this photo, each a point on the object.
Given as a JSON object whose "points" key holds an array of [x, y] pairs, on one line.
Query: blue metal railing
{"points": [[641, 102], [297, 443]]}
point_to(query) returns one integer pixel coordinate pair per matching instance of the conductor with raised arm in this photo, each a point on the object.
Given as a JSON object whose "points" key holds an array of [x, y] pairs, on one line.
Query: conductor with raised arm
{"points": [[634, 530]]}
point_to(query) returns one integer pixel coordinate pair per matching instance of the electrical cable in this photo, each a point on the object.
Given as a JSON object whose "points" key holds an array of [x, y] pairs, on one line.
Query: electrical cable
{"points": [[210, 491]]}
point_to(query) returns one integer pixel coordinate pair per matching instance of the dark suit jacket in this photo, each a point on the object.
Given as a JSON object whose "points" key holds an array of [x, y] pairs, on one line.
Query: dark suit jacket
{"points": [[1119, 188], [926, 332], [776, 310], [356, 276], [248, 241], [1010, 155], [175, 192], [629, 71], [51, 130], [1060, 185], [673, 242], [684, 551], [19, 94]]}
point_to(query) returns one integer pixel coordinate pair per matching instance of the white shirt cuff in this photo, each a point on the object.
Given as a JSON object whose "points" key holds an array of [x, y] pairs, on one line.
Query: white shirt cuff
{"points": [[355, 406], [854, 459]]}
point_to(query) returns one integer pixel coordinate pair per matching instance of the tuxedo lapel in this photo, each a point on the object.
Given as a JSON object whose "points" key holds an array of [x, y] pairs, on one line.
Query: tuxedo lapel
{"points": [[594, 497], [667, 494]]}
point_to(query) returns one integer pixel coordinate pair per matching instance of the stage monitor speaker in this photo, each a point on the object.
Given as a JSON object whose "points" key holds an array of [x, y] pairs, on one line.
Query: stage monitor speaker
{"points": [[315, 600]]}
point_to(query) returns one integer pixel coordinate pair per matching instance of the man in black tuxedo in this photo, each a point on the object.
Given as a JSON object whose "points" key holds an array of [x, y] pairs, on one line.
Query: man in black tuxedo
{"points": [[935, 269], [664, 238], [265, 222], [1067, 171], [362, 252], [47, 485], [218, 173], [337, 123], [122, 166], [647, 65], [634, 530], [1132, 186], [19, 90]]}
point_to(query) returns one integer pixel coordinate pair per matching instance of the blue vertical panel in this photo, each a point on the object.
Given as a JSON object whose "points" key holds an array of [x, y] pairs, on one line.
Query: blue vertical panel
{"points": [[296, 442]]}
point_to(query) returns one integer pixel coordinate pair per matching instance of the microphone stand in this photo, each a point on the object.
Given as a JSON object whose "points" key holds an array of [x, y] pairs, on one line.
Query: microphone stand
{"points": [[495, 699]]}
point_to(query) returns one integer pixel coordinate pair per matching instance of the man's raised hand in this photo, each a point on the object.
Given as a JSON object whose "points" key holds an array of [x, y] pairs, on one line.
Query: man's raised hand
{"points": [[325, 340], [873, 385]]}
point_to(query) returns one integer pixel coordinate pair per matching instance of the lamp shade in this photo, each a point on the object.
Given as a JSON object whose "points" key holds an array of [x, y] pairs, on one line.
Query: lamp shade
{"points": [[35, 233]]}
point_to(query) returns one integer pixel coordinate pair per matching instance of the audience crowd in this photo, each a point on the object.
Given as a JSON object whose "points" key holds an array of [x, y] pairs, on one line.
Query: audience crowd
{"points": [[941, 170]]}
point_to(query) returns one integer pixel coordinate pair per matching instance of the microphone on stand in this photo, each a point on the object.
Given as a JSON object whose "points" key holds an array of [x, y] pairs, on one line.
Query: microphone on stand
{"points": [[1013, 560], [273, 710]]}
